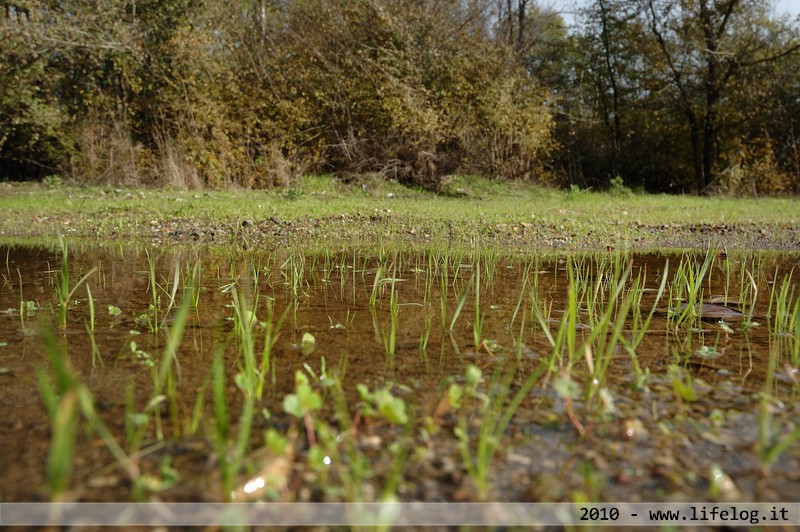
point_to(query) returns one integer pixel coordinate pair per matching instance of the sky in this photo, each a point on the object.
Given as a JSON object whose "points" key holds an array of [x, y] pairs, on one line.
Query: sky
{"points": [[791, 7]]}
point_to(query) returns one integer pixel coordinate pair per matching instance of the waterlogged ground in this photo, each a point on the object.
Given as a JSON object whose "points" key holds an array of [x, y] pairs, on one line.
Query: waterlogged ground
{"points": [[617, 381]]}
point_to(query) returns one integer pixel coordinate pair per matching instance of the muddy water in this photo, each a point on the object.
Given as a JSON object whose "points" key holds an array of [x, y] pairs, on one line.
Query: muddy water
{"points": [[653, 444]]}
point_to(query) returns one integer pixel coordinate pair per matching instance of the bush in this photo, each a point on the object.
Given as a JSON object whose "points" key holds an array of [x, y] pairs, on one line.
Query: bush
{"points": [[256, 94]]}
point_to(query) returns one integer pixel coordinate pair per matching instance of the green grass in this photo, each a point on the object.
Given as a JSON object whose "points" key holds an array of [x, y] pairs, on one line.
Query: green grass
{"points": [[67, 399], [62, 284], [495, 409], [321, 208]]}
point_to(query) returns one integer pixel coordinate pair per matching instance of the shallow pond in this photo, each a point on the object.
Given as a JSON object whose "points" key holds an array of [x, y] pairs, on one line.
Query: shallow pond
{"points": [[436, 375]]}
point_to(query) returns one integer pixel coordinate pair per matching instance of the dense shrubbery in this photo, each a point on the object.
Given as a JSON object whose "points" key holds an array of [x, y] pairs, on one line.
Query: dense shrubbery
{"points": [[254, 93]]}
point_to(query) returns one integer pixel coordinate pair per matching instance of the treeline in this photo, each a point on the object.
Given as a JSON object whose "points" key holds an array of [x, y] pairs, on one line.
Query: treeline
{"points": [[677, 95]]}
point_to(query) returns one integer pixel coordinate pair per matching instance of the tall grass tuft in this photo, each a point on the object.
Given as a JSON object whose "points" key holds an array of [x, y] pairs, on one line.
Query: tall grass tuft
{"points": [[96, 356], [495, 409], [66, 400], [63, 291], [686, 290]]}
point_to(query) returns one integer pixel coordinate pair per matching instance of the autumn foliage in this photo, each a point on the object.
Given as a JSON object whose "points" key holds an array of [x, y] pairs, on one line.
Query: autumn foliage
{"points": [[254, 93]]}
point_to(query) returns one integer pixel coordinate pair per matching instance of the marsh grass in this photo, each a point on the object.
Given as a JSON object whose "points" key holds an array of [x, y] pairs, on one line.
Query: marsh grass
{"points": [[96, 356], [63, 291], [478, 321], [595, 315], [639, 326], [251, 379], [611, 304], [390, 337], [22, 306], [165, 375], [293, 270], [780, 313], [495, 409], [686, 290], [67, 400], [462, 299], [156, 315], [775, 435], [272, 330], [227, 463], [426, 332]]}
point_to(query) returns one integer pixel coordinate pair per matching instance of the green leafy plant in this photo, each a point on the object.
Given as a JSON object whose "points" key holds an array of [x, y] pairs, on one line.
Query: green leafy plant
{"points": [[381, 403], [303, 403]]}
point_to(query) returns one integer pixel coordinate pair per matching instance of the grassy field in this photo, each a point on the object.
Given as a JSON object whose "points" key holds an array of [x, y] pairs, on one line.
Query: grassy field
{"points": [[323, 210]]}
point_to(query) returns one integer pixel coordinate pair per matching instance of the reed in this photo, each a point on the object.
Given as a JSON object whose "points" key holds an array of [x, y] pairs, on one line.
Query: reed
{"points": [[66, 401], [96, 356], [496, 408], [64, 292], [478, 321]]}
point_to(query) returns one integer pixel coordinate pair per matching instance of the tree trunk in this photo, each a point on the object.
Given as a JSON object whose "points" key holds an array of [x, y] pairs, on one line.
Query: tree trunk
{"points": [[522, 7], [509, 14], [695, 137], [712, 94], [616, 130]]}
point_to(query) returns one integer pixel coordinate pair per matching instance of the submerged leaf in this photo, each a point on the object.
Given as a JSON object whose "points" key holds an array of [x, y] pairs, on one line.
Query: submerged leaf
{"points": [[707, 352], [271, 481], [567, 388]]}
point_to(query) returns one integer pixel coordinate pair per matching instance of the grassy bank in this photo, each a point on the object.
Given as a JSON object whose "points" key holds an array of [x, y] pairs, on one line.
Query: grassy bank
{"points": [[322, 210]]}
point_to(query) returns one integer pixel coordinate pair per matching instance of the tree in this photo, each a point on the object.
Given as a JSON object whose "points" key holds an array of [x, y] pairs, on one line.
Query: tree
{"points": [[34, 128], [669, 70], [707, 49]]}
